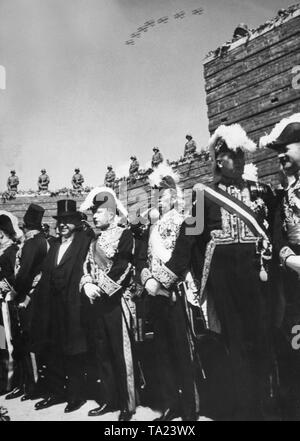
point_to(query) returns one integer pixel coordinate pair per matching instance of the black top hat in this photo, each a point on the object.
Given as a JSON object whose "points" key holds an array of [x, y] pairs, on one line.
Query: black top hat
{"points": [[6, 226], [67, 208], [33, 217], [290, 135]]}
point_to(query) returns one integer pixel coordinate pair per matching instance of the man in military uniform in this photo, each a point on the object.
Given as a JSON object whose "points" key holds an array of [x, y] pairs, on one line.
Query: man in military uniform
{"points": [[173, 344], [157, 157], [285, 140], [107, 273], [43, 181], [9, 233], [134, 166], [77, 180], [231, 259], [110, 177], [57, 330], [12, 183], [190, 147], [29, 263]]}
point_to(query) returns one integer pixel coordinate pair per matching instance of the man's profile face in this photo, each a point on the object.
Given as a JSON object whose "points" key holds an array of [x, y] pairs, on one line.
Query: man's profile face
{"points": [[102, 217], [231, 165], [167, 199], [290, 160], [66, 227]]}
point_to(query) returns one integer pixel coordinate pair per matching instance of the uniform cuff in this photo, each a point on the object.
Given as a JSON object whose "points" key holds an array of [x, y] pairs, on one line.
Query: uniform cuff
{"points": [[145, 276], [163, 274], [284, 254]]}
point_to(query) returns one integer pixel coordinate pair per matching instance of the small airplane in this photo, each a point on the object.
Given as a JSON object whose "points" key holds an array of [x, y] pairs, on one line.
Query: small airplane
{"points": [[150, 23], [198, 11], [180, 14], [163, 20], [129, 42], [135, 35]]}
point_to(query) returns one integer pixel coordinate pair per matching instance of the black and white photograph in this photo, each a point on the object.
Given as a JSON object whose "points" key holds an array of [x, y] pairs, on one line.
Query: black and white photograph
{"points": [[149, 213]]}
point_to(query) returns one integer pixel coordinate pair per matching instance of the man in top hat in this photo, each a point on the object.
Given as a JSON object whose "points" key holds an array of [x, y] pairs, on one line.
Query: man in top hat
{"points": [[231, 259], [191, 146], [43, 181], [110, 177], [157, 158], [12, 183], [284, 139], [174, 355], [9, 233], [107, 273], [77, 180], [28, 267], [57, 331], [134, 166]]}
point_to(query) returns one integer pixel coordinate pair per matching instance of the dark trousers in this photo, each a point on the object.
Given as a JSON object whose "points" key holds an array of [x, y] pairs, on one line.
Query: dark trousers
{"points": [[175, 371], [25, 369], [109, 356], [65, 376], [241, 302], [287, 347]]}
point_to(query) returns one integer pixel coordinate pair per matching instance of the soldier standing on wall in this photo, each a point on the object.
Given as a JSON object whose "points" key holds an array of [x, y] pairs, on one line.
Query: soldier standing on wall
{"points": [[157, 157], [110, 177], [43, 181]]}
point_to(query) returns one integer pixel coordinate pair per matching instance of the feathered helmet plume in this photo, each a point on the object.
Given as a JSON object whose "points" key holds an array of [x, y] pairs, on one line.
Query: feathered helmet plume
{"points": [[287, 131], [14, 221], [164, 177], [231, 138]]}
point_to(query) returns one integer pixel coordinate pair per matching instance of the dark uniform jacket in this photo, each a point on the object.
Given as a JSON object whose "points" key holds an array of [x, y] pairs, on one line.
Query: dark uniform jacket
{"points": [[29, 264]]}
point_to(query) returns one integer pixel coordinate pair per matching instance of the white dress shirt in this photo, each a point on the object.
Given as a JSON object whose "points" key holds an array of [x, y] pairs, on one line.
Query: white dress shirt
{"points": [[63, 248]]}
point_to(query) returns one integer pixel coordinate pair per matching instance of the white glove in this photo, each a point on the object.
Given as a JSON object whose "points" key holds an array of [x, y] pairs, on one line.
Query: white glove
{"points": [[152, 286], [11, 296], [293, 262], [26, 302], [92, 291]]}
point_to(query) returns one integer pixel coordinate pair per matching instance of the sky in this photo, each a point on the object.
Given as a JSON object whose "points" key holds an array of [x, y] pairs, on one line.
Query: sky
{"points": [[77, 96]]}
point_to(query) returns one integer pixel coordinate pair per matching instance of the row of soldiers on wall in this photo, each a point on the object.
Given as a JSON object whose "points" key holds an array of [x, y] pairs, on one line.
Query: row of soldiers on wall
{"points": [[110, 177], [221, 301], [13, 182]]}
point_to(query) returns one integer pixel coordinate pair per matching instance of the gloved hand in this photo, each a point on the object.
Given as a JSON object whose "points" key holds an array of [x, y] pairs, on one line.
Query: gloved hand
{"points": [[293, 262], [152, 286], [24, 304], [92, 291]]}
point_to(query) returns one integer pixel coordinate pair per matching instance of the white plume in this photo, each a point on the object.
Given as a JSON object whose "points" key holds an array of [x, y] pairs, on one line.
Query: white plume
{"points": [[234, 136], [277, 130], [250, 172], [88, 202], [160, 172], [14, 221]]}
